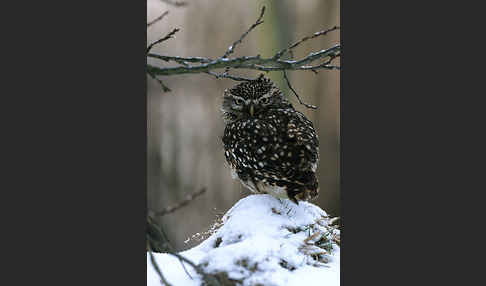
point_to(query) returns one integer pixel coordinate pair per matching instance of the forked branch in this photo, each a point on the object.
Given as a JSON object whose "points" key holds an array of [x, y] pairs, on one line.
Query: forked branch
{"points": [[314, 61]]}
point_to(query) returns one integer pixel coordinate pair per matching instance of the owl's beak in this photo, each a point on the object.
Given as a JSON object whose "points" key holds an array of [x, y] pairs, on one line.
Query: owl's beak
{"points": [[252, 110]]}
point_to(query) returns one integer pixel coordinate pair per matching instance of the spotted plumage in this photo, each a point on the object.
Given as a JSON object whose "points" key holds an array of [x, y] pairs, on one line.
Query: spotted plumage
{"points": [[270, 147]]}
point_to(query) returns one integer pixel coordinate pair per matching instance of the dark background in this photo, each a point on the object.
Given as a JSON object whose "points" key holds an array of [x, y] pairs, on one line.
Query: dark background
{"points": [[185, 152]]}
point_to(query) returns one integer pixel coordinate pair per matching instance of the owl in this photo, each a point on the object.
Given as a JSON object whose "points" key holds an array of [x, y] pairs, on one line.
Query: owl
{"points": [[270, 147]]}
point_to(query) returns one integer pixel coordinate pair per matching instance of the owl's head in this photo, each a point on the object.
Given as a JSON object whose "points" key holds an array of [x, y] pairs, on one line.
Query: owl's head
{"points": [[251, 98]]}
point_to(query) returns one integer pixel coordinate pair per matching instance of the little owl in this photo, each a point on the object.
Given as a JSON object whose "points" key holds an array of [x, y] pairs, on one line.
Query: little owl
{"points": [[270, 147]]}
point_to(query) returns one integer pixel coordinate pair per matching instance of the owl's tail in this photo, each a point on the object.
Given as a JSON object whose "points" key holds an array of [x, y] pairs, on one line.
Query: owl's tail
{"points": [[306, 195], [308, 192]]}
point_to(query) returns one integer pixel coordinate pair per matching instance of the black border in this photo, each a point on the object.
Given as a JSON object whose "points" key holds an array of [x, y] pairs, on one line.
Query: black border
{"points": [[407, 122], [76, 143]]}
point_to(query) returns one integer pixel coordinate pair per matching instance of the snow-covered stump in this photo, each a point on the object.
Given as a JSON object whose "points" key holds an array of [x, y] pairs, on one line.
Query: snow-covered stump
{"points": [[262, 241]]}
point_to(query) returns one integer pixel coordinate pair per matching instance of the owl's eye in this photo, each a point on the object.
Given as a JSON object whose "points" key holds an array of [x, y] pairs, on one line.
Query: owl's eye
{"points": [[265, 100], [239, 101]]}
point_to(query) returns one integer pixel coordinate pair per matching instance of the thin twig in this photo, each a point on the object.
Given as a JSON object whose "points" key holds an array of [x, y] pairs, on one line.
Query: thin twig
{"points": [[157, 269], [296, 95], [232, 47], [156, 236], [315, 35], [209, 279], [180, 59], [165, 246], [227, 75], [327, 64], [168, 36], [157, 19], [182, 203], [175, 3], [164, 87]]}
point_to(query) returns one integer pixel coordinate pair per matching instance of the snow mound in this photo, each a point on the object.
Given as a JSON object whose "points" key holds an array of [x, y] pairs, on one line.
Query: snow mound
{"points": [[262, 241]]}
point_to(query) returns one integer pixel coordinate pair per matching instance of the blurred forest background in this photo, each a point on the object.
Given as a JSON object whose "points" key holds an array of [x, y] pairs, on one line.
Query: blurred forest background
{"points": [[185, 152]]}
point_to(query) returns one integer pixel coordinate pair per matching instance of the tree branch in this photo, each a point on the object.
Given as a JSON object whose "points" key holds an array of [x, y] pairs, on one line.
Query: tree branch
{"points": [[157, 19], [175, 3], [180, 59], [227, 75], [164, 87], [167, 248], [157, 269], [252, 63], [315, 35], [258, 22], [187, 200], [157, 241], [168, 36], [209, 279], [296, 95], [191, 65]]}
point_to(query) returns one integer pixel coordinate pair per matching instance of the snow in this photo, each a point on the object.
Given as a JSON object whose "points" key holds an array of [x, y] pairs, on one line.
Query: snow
{"points": [[263, 240]]}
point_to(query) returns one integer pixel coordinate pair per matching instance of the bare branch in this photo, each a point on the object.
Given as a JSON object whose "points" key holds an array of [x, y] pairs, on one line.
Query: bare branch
{"points": [[175, 3], [157, 269], [296, 95], [155, 232], [315, 35], [164, 87], [252, 63], [227, 75], [182, 203], [180, 59], [157, 240], [168, 36], [209, 279], [157, 19], [188, 65], [258, 22]]}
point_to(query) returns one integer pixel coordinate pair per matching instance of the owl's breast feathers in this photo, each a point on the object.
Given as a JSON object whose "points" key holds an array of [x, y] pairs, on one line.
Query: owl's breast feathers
{"points": [[277, 150]]}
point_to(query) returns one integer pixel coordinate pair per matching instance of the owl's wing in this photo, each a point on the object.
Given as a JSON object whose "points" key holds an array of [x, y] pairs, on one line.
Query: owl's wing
{"points": [[303, 139], [292, 155]]}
